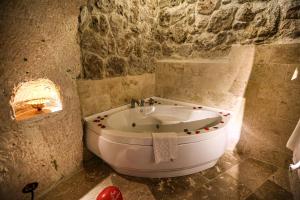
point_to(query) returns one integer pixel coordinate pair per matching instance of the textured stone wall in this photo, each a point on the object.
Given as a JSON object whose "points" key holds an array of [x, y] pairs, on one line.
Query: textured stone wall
{"points": [[200, 28], [38, 40], [132, 33], [115, 38], [118, 53], [272, 103]]}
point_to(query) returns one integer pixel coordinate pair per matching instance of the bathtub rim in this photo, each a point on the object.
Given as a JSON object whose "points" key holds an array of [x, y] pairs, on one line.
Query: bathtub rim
{"points": [[145, 138], [90, 117]]}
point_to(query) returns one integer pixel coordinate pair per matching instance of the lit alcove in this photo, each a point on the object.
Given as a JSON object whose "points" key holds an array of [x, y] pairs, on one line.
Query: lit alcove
{"points": [[34, 98]]}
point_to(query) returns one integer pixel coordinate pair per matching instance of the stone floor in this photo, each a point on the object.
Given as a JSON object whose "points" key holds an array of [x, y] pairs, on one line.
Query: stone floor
{"points": [[234, 177]]}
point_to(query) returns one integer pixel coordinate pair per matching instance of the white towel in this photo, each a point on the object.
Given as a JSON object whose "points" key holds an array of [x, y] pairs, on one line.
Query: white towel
{"points": [[164, 147], [294, 144]]}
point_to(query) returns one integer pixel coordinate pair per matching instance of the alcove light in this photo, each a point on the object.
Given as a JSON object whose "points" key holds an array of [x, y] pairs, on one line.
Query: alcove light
{"points": [[35, 97]]}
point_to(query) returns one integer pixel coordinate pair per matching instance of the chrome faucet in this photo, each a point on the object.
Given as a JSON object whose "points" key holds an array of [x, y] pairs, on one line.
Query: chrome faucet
{"points": [[142, 104], [135, 101]]}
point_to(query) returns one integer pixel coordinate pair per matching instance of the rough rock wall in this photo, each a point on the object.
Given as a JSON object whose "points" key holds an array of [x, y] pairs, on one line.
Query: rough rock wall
{"points": [[200, 28], [38, 40], [118, 48], [115, 38]]}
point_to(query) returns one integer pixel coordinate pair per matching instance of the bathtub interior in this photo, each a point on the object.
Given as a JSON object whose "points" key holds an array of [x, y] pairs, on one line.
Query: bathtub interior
{"points": [[191, 122], [163, 118]]}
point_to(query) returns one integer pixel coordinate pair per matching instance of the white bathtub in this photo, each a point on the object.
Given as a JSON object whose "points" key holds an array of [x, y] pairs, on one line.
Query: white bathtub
{"points": [[122, 137]]}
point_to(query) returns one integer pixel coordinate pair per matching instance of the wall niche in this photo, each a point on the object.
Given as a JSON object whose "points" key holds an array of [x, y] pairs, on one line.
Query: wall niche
{"points": [[34, 98]]}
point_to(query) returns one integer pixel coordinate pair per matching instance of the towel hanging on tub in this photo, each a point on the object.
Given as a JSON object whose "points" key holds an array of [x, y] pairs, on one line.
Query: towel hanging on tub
{"points": [[164, 147]]}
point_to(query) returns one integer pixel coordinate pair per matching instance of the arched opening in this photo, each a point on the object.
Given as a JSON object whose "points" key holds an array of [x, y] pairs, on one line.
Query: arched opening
{"points": [[36, 97]]}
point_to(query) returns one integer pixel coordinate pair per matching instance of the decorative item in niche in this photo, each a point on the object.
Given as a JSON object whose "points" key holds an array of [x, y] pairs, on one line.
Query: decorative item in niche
{"points": [[35, 97]]}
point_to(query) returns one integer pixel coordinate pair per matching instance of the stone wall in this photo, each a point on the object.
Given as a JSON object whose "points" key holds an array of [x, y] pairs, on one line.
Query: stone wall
{"points": [[38, 40], [125, 38], [132, 33], [118, 53], [201, 28], [272, 103], [115, 38]]}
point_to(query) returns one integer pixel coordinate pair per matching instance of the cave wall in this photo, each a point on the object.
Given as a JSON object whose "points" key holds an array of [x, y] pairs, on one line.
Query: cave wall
{"points": [[208, 28], [121, 39], [38, 40], [118, 53]]}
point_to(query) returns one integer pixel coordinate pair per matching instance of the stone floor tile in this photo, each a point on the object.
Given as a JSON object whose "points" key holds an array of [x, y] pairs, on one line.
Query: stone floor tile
{"points": [[132, 188], [80, 183], [270, 191], [228, 160], [253, 173], [231, 185], [173, 188], [281, 178], [224, 187]]}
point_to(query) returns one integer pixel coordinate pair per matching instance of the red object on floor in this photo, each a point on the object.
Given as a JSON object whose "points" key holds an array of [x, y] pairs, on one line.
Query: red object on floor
{"points": [[110, 193]]}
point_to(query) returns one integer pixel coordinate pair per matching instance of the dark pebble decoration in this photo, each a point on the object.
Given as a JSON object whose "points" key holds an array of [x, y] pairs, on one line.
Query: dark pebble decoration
{"points": [[133, 124], [197, 132], [185, 130], [189, 132], [157, 126]]}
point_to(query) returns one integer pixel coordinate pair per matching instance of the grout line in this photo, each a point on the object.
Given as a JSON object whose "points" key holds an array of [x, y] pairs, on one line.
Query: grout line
{"points": [[266, 162]]}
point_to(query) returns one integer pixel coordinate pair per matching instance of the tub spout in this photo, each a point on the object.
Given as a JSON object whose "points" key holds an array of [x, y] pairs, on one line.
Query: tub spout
{"points": [[142, 103], [135, 101]]}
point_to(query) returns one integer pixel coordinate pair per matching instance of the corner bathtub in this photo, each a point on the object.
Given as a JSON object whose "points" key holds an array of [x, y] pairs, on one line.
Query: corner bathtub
{"points": [[122, 137]]}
